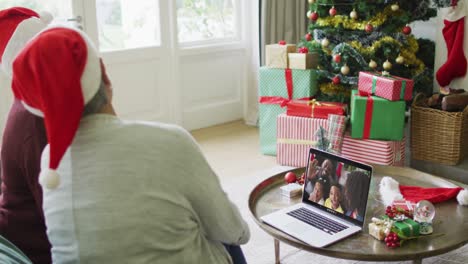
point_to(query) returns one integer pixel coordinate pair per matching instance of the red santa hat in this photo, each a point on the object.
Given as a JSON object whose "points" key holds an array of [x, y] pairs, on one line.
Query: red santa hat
{"points": [[56, 75], [391, 190], [18, 25]]}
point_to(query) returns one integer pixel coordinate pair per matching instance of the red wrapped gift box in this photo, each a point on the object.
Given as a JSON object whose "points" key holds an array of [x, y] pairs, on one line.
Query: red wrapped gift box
{"points": [[314, 109], [404, 204], [389, 87]]}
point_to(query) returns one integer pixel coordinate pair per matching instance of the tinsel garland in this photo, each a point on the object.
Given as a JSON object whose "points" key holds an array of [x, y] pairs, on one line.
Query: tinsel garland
{"points": [[335, 36], [355, 54], [334, 89], [349, 23], [442, 3]]}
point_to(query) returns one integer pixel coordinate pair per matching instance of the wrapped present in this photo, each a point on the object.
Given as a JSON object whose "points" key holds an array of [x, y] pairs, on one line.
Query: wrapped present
{"points": [[276, 55], [404, 205], [276, 88], [407, 228], [314, 108], [291, 190], [296, 135], [386, 86], [377, 231], [381, 152], [336, 130], [303, 61], [373, 117]]}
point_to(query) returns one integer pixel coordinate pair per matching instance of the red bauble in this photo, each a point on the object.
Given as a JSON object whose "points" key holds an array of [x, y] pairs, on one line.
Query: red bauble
{"points": [[303, 50], [337, 58], [332, 11], [369, 28], [290, 177], [308, 37], [282, 42], [314, 16], [406, 30], [336, 80]]}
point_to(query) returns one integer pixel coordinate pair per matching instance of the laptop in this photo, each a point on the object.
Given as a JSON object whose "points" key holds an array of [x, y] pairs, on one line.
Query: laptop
{"points": [[333, 203]]}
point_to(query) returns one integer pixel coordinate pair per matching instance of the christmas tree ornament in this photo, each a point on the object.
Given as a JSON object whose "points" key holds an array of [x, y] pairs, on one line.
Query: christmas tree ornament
{"points": [[454, 34], [325, 42], [336, 80], [314, 16], [345, 69], [387, 65], [337, 58], [309, 13], [308, 37], [406, 30], [332, 11], [353, 14], [395, 7], [303, 50], [424, 212], [369, 28], [400, 59], [311, 1], [372, 64], [290, 177], [282, 42]]}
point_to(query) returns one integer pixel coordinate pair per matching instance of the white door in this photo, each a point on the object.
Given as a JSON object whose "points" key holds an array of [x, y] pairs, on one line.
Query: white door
{"points": [[176, 61]]}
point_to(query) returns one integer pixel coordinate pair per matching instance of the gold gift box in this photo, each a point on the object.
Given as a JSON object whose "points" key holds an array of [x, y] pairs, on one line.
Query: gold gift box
{"points": [[303, 61], [276, 55], [377, 231]]}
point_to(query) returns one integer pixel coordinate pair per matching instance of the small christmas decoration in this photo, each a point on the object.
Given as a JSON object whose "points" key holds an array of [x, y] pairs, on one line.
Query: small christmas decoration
{"points": [[387, 65], [308, 37], [332, 11], [311, 1], [303, 50], [353, 14], [372, 64], [337, 58], [395, 7], [406, 30], [325, 42], [400, 59], [392, 240], [424, 213], [290, 177], [282, 42], [336, 80], [314, 16], [345, 69], [322, 139], [369, 28]]}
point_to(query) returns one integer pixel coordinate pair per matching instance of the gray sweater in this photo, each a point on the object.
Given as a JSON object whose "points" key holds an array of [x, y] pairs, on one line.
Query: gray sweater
{"points": [[138, 192]]}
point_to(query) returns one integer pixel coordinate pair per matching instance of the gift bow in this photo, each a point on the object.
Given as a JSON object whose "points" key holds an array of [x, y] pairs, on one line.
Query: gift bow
{"points": [[314, 103]]}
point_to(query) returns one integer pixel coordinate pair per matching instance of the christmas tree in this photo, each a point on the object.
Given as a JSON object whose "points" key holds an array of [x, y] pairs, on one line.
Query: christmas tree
{"points": [[368, 35]]}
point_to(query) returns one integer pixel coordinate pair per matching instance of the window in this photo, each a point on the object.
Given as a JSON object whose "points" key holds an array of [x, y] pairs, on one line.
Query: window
{"points": [[126, 24], [58, 8], [201, 20]]}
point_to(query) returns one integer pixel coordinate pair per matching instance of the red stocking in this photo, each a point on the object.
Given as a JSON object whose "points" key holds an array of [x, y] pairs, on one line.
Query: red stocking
{"points": [[456, 63]]}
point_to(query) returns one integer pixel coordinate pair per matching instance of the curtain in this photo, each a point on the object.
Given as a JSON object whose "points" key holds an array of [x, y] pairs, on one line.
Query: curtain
{"points": [[277, 20]]}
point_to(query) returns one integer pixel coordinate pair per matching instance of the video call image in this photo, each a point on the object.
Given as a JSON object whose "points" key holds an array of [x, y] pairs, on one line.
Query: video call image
{"points": [[337, 186]]}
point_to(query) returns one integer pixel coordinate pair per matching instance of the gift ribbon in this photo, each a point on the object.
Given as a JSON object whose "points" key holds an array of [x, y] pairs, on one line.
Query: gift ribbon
{"points": [[296, 141], [314, 103], [403, 84], [368, 115], [281, 100], [410, 227]]}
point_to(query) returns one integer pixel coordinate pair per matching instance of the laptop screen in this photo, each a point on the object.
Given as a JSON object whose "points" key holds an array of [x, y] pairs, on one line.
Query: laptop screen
{"points": [[337, 185]]}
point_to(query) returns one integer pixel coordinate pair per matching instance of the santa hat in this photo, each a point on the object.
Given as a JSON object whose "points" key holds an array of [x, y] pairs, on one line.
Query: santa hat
{"points": [[18, 25], [56, 74], [391, 190]]}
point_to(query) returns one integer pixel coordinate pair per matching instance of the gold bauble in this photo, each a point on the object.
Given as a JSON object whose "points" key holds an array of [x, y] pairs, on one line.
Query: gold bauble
{"points": [[308, 13], [325, 42], [373, 64], [395, 7], [311, 1], [345, 69], [400, 60], [387, 65], [353, 14]]}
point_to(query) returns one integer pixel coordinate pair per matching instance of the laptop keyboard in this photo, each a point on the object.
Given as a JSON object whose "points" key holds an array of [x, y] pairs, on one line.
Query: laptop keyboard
{"points": [[323, 223]]}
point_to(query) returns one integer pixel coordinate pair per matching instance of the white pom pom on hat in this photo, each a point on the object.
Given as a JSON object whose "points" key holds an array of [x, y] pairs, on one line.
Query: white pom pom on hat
{"points": [[462, 197], [57, 74]]}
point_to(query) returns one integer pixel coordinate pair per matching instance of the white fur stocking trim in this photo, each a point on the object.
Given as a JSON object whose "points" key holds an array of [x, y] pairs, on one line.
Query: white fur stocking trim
{"points": [[389, 190]]}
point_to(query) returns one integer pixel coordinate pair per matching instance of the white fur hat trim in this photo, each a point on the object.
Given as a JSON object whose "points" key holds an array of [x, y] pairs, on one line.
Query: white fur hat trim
{"points": [[389, 190]]}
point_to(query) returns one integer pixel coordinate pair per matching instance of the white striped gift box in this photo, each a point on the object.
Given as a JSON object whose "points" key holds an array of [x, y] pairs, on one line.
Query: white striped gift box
{"points": [[374, 151], [295, 136]]}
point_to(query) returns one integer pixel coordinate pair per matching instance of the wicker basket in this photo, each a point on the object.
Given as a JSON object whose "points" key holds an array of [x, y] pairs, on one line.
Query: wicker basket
{"points": [[438, 136]]}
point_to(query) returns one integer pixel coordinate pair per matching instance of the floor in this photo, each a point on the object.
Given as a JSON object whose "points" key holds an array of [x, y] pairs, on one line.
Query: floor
{"points": [[233, 152]]}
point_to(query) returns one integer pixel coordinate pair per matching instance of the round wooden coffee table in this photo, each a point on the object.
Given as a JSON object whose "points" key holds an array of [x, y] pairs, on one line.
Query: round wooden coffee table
{"points": [[450, 223]]}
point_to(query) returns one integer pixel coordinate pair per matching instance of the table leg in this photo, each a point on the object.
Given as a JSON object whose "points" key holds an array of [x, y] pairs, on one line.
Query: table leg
{"points": [[417, 261], [277, 251]]}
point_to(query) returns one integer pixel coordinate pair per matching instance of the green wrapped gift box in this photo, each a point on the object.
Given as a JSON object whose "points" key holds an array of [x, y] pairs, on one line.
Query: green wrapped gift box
{"points": [[373, 117], [276, 87], [407, 228]]}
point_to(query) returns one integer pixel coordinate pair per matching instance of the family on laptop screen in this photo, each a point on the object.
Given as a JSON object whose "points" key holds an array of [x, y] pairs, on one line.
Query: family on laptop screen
{"points": [[337, 185]]}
